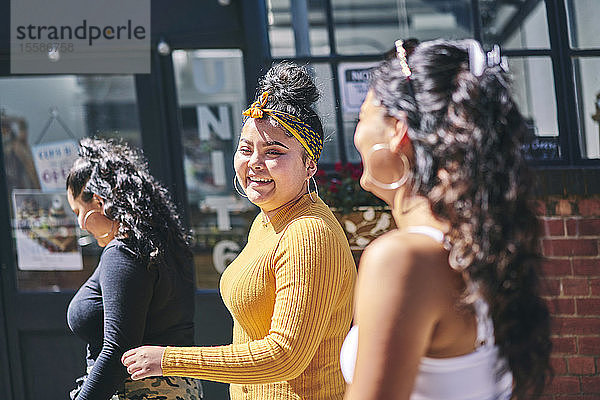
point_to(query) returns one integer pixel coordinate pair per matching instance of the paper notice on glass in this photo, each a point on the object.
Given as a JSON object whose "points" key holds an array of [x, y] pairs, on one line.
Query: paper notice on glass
{"points": [[53, 162], [354, 84], [46, 232]]}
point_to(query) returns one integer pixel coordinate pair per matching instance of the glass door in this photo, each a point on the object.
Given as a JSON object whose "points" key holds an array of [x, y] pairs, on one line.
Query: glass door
{"points": [[46, 256], [211, 97]]}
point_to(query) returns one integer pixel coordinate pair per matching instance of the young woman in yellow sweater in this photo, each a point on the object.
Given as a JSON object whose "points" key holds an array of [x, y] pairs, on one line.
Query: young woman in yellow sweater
{"points": [[290, 289]]}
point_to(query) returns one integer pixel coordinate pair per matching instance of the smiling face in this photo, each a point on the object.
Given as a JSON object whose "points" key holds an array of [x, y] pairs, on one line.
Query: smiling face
{"points": [[269, 165], [96, 223]]}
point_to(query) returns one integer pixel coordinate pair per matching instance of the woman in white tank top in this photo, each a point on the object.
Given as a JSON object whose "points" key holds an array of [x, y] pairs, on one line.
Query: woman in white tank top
{"points": [[447, 306]]}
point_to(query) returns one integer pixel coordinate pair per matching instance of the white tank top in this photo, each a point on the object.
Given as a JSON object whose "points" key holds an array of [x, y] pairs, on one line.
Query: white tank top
{"points": [[473, 376]]}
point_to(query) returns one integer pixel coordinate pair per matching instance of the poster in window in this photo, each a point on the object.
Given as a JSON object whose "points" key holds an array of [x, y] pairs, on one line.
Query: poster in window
{"points": [[354, 84], [53, 162], [45, 231]]}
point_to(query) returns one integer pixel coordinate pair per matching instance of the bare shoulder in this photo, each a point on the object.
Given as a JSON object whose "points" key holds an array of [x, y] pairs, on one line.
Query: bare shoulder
{"points": [[408, 267], [400, 252]]}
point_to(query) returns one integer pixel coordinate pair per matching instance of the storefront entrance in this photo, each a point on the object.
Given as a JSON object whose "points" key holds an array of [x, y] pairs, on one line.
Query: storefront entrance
{"points": [[185, 115]]}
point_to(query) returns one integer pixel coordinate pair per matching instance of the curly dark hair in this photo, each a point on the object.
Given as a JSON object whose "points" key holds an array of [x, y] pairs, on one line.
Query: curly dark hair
{"points": [[467, 133], [147, 216], [292, 90]]}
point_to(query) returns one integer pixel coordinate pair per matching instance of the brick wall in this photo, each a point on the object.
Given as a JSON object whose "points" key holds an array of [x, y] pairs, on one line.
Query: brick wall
{"points": [[570, 243]]}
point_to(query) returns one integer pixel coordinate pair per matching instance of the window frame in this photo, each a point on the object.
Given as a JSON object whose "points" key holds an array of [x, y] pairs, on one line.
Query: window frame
{"points": [[561, 56]]}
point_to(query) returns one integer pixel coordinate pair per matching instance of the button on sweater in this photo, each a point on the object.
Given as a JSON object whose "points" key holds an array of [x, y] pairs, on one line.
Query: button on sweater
{"points": [[290, 294]]}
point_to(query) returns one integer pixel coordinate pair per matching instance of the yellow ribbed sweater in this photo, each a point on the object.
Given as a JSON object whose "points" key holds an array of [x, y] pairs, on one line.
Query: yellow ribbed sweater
{"points": [[290, 294]]}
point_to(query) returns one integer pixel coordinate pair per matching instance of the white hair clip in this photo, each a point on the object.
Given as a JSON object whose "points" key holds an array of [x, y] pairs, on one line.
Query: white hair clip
{"points": [[478, 60], [495, 58]]}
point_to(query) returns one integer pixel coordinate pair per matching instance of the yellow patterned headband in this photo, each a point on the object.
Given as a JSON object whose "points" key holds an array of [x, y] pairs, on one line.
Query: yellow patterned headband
{"points": [[308, 138]]}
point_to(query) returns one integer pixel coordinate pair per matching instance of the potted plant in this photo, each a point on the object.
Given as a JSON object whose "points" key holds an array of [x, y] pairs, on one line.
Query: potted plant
{"points": [[362, 215]]}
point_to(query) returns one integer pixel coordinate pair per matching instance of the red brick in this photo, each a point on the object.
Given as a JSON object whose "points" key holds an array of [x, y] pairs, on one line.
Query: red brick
{"points": [[589, 207], [575, 286], [575, 326], [588, 307], [581, 365], [559, 365], [563, 385], [550, 287], [590, 384], [595, 287], [553, 227], [556, 267], [564, 345], [572, 226], [587, 345], [570, 247], [586, 266], [561, 306], [589, 227]]}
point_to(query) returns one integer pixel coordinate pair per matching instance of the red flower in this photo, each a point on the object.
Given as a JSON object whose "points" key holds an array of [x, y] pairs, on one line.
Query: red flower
{"points": [[338, 166], [333, 188]]}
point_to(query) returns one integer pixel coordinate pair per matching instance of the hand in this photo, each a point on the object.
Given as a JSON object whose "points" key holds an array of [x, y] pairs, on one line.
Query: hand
{"points": [[143, 361]]}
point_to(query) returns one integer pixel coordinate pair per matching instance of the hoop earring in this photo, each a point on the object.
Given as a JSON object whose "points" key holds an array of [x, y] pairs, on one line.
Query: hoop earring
{"points": [[393, 185], [87, 215], [112, 226], [316, 189], [242, 193]]}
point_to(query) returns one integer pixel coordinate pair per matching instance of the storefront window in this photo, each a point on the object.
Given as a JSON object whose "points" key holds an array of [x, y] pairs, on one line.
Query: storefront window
{"points": [[211, 97], [297, 28], [587, 84], [354, 84], [533, 88], [326, 110], [372, 27], [520, 24], [584, 30], [42, 119]]}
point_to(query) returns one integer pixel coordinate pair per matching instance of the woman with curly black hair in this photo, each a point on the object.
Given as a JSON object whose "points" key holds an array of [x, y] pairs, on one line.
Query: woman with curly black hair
{"points": [[448, 305], [142, 291]]}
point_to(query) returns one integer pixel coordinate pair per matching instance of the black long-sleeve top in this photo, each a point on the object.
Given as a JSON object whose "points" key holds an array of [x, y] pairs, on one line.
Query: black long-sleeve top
{"points": [[125, 304]]}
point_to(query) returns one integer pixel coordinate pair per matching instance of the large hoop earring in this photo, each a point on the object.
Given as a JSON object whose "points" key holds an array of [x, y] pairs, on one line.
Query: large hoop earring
{"points": [[242, 193], [394, 185], [312, 178], [112, 226], [87, 215]]}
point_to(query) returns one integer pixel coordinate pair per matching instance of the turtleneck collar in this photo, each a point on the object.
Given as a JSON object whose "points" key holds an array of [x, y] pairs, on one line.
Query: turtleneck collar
{"points": [[288, 212]]}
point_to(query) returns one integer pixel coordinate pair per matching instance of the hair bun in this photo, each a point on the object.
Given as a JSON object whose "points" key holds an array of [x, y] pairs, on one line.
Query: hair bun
{"points": [[289, 84]]}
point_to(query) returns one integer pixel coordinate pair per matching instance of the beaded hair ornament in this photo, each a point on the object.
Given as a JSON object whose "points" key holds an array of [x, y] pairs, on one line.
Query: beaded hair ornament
{"points": [[306, 135]]}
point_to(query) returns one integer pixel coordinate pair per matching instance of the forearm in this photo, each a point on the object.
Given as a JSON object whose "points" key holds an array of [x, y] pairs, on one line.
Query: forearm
{"points": [[104, 378], [260, 361]]}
